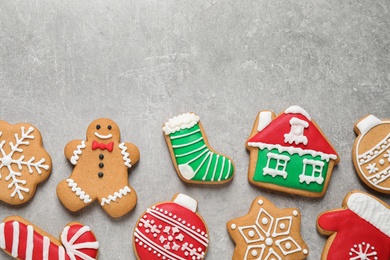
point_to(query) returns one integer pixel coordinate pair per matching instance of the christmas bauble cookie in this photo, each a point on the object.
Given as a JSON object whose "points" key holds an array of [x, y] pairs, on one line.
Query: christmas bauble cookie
{"points": [[171, 230], [194, 159], [23, 240], [24, 163], [360, 230], [290, 153], [371, 152], [268, 232]]}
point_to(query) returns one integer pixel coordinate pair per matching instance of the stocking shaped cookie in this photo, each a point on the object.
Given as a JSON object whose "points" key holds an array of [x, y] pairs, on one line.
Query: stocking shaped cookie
{"points": [[23, 240], [371, 152], [23, 162], [101, 170], [360, 230]]}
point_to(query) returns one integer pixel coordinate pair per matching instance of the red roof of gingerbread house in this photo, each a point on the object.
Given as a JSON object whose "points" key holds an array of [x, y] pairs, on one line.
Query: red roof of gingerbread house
{"points": [[273, 135]]}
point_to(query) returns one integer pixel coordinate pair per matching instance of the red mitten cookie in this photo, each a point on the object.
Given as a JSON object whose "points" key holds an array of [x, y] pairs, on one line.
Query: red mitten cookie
{"points": [[171, 230], [371, 152], [268, 232], [359, 230], [23, 240], [290, 153], [101, 170], [23, 162]]}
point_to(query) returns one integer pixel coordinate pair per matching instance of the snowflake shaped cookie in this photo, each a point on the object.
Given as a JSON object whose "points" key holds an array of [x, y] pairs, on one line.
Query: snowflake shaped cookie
{"points": [[23, 162], [267, 232]]}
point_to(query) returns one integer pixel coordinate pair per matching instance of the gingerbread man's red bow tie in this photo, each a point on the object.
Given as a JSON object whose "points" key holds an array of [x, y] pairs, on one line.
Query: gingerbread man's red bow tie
{"points": [[102, 146]]}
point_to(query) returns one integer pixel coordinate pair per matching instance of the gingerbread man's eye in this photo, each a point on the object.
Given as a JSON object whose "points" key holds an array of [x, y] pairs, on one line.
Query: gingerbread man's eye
{"points": [[109, 127], [97, 127]]}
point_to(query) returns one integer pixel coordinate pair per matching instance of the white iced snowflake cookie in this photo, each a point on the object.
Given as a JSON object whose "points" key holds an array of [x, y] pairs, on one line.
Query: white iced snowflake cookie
{"points": [[267, 232], [23, 162]]}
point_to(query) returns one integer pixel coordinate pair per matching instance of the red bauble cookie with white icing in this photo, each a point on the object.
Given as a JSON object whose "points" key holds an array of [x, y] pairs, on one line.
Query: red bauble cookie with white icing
{"points": [[359, 230], [171, 230]]}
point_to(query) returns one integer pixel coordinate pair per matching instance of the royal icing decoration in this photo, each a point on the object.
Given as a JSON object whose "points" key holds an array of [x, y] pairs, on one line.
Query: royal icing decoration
{"points": [[101, 168], [359, 230], [371, 153], [195, 161], [171, 230], [22, 241], [290, 153], [21, 171], [267, 232]]}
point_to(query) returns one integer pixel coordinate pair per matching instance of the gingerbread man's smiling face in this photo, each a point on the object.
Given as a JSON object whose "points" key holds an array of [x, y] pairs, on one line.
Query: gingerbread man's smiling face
{"points": [[103, 129]]}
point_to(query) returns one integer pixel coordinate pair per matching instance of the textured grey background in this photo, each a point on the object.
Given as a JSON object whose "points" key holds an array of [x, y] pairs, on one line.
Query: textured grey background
{"points": [[140, 62]]}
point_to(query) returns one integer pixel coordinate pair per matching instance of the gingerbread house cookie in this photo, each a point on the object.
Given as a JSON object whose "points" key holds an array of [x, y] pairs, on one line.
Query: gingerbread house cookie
{"points": [[371, 152], [290, 153], [359, 230]]}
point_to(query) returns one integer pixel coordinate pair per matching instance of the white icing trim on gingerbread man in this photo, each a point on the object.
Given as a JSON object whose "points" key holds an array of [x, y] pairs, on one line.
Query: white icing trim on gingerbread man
{"points": [[77, 152], [122, 192], [79, 192], [126, 155]]}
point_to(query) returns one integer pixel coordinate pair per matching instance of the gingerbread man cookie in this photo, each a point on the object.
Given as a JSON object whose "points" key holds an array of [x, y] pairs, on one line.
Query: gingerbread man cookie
{"points": [[23, 240], [371, 152], [359, 230], [23, 162], [101, 170]]}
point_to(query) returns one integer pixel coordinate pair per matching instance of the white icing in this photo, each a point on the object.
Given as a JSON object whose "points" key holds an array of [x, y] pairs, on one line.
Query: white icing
{"points": [[126, 155], [177, 123], [265, 118], [46, 247], [29, 242], [15, 239], [77, 152], [61, 253], [375, 151], [184, 135], [297, 110], [233, 226], [280, 167], [370, 210], [295, 213], [305, 251], [269, 241], [2, 237], [296, 132], [102, 136], [72, 248], [78, 191], [117, 195], [367, 123], [260, 202], [315, 175], [7, 160], [363, 251], [186, 201], [292, 150]]}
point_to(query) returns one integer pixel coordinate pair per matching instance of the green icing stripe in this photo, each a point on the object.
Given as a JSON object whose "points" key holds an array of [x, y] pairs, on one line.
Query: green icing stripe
{"points": [[294, 168], [194, 158]]}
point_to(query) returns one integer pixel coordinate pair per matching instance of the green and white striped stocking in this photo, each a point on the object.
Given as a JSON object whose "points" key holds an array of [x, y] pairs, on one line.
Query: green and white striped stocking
{"points": [[194, 158]]}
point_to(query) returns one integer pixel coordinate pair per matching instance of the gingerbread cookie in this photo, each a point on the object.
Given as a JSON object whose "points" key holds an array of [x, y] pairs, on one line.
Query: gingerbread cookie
{"points": [[171, 230], [23, 240], [371, 152], [267, 232], [289, 153], [359, 230], [100, 172], [24, 163], [195, 161]]}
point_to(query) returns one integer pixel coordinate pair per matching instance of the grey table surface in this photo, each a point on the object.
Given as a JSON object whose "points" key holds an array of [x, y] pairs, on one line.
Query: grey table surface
{"points": [[140, 62]]}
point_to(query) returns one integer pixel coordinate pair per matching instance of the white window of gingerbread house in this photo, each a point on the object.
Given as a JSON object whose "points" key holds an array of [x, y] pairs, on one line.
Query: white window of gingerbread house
{"points": [[296, 132], [280, 162], [312, 172]]}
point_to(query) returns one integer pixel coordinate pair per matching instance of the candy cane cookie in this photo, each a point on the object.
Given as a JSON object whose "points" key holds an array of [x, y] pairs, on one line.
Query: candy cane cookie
{"points": [[23, 240]]}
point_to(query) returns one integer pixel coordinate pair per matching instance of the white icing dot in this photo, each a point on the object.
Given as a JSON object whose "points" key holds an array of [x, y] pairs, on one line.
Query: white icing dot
{"points": [[145, 246], [166, 212], [350, 253], [233, 226], [145, 216], [260, 202], [159, 226], [154, 252], [199, 249], [184, 222], [147, 231], [140, 243], [204, 233], [381, 161], [149, 249], [288, 245], [191, 245], [161, 210], [295, 213], [254, 252], [155, 235], [136, 240], [251, 233], [282, 226], [198, 230], [159, 255], [264, 221], [269, 241], [179, 219], [140, 224], [170, 238], [305, 251], [354, 246]]}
